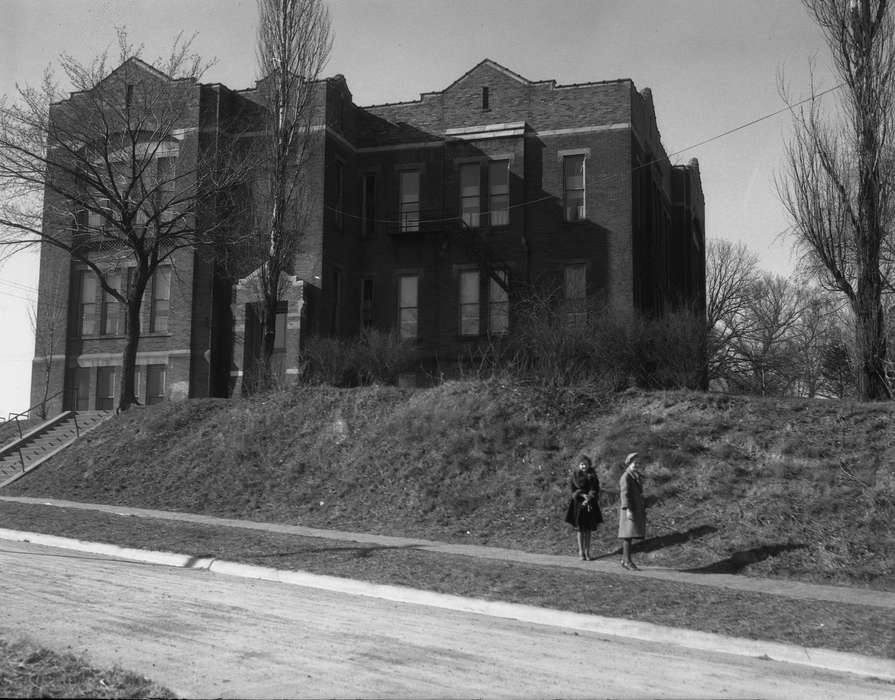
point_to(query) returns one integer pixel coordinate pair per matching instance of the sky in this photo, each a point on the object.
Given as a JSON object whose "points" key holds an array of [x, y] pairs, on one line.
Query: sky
{"points": [[712, 66]]}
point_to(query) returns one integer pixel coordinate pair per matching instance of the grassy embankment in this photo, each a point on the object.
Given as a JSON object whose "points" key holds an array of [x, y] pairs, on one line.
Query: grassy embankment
{"points": [[765, 487]]}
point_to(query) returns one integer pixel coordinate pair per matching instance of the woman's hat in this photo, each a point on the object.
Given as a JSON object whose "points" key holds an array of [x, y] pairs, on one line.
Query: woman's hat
{"points": [[630, 458]]}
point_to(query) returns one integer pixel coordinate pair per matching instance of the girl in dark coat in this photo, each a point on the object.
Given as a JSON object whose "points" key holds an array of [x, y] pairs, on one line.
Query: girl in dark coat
{"points": [[631, 509], [583, 512]]}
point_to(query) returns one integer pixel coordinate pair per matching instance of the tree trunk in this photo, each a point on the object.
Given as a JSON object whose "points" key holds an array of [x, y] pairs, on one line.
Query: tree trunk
{"points": [[869, 322], [870, 339], [126, 393]]}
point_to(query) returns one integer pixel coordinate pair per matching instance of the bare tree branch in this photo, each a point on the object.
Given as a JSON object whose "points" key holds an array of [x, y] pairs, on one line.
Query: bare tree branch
{"points": [[100, 173], [838, 177]]}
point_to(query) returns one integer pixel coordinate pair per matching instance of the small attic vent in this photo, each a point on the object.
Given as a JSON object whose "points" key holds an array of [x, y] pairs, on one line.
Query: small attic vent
{"points": [[485, 105]]}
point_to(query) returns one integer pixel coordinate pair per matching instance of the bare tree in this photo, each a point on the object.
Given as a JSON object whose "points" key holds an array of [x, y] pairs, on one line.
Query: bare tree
{"points": [[765, 351], [50, 328], [101, 176], [293, 47], [837, 182], [731, 271]]}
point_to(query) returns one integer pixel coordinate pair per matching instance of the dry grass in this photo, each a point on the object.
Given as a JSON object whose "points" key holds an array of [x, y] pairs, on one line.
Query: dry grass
{"points": [[769, 487], [850, 628], [28, 671]]}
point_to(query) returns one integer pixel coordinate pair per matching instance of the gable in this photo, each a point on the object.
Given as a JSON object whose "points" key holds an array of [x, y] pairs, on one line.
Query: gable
{"points": [[134, 71], [487, 87], [484, 73]]}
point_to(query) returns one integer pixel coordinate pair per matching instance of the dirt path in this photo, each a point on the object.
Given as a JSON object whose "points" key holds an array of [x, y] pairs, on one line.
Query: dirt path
{"points": [[204, 634]]}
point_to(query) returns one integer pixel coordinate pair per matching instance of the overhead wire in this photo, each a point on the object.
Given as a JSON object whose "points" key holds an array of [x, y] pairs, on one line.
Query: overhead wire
{"points": [[606, 178]]}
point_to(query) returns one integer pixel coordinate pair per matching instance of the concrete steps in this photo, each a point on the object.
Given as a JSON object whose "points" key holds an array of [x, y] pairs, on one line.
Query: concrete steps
{"points": [[38, 444]]}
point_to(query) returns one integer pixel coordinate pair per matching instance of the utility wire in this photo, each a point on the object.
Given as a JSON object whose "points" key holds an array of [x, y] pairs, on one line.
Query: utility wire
{"points": [[607, 178]]}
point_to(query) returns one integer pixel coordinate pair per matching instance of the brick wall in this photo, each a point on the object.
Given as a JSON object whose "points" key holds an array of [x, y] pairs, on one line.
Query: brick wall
{"points": [[631, 239]]}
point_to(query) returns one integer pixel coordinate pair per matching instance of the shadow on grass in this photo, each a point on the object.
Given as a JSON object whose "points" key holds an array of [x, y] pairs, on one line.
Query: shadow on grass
{"points": [[738, 561], [672, 538]]}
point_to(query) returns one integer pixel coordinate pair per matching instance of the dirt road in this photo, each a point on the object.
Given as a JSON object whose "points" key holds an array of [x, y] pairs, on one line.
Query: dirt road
{"points": [[204, 634]]}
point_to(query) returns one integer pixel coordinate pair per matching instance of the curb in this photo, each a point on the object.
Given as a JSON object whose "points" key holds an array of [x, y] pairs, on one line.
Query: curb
{"points": [[842, 662], [776, 587]]}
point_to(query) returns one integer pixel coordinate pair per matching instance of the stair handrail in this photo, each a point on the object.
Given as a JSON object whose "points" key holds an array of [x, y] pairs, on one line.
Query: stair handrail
{"points": [[27, 412], [15, 444]]}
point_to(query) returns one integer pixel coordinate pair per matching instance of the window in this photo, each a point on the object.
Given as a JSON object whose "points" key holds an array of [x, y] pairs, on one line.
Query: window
{"points": [[366, 303], [469, 194], [111, 312], [165, 182], [279, 331], [155, 384], [80, 398], [486, 99], [498, 306], [139, 384], [340, 195], [336, 319], [499, 192], [575, 287], [409, 200], [97, 220], [105, 388], [469, 302], [160, 300], [573, 187], [87, 310], [408, 306], [368, 208]]}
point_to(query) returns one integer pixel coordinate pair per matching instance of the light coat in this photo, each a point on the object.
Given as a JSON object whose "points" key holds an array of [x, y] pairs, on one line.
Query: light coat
{"points": [[630, 499]]}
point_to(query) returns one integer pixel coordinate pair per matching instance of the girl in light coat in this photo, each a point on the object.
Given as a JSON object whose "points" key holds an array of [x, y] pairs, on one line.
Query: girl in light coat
{"points": [[631, 509]]}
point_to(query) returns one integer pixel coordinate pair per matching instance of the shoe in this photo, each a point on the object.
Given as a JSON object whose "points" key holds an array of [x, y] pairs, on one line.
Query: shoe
{"points": [[632, 566], [585, 556], [624, 564]]}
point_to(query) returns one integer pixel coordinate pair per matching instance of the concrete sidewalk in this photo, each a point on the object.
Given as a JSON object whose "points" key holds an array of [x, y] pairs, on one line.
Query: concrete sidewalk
{"points": [[607, 564]]}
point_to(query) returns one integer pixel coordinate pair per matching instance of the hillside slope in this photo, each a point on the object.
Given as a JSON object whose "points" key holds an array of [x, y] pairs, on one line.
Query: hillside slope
{"points": [[801, 489]]}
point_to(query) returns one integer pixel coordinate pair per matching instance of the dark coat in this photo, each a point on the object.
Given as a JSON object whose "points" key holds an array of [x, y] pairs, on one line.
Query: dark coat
{"points": [[630, 497], [579, 515]]}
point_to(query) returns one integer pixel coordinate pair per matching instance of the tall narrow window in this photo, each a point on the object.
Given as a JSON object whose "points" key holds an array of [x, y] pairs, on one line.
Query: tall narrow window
{"points": [[280, 329], [340, 195], [97, 220], [140, 384], [160, 300], [469, 302], [499, 192], [498, 306], [366, 303], [166, 181], [336, 320], [469, 194], [111, 312], [81, 390], [155, 384], [486, 99], [576, 294], [408, 306], [368, 210], [105, 388], [573, 187], [129, 96], [409, 200], [87, 301]]}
